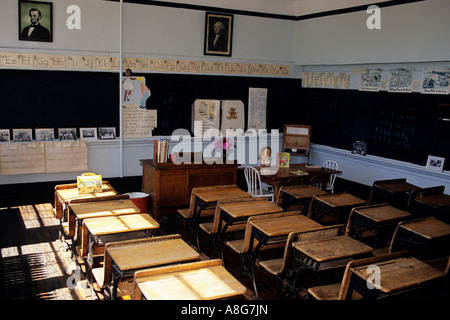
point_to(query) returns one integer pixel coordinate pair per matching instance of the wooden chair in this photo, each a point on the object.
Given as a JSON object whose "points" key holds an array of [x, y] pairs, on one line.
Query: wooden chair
{"points": [[287, 278], [187, 214], [340, 291], [211, 229]]}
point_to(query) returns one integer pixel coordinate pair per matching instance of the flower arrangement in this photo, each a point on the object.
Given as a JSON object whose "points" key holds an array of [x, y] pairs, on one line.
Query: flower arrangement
{"points": [[224, 144]]}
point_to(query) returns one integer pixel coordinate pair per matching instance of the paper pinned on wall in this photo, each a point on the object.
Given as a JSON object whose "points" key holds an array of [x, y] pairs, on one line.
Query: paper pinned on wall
{"points": [[257, 105], [206, 116], [138, 122], [233, 116]]}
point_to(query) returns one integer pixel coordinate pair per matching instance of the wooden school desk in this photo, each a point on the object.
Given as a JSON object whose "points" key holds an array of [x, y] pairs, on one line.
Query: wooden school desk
{"points": [[123, 259], [284, 176], [435, 205], [381, 217], [427, 237], [66, 192], [205, 280], [208, 198], [396, 275], [96, 209], [95, 231], [301, 194], [393, 191], [333, 208], [269, 229], [329, 252], [231, 213]]}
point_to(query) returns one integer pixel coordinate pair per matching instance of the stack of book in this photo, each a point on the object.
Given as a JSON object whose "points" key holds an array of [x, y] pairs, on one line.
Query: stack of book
{"points": [[160, 151]]}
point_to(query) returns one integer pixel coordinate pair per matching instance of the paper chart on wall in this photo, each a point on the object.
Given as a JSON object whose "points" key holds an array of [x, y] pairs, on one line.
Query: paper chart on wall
{"points": [[370, 80], [257, 105], [206, 116], [233, 116], [138, 122], [436, 80], [401, 80]]}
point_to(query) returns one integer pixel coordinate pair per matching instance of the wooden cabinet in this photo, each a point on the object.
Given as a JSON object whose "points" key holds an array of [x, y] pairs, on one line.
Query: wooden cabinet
{"points": [[170, 185]]}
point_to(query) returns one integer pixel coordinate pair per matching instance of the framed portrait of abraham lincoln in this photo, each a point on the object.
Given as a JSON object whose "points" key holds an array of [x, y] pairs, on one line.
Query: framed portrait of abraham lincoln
{"points": [[218, 34], [35, 21]]}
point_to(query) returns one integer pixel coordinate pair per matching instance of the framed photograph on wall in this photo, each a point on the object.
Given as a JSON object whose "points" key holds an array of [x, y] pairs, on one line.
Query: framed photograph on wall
{"points": [[22, 135], [107, 133], [4, 136], [35, 21], [88, 134], [67, 134], [44, 134], [435, 163], [218, 34]]}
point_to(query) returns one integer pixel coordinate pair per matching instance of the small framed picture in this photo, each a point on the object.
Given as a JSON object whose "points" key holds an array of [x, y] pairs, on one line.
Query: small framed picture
{"points": [[23, 135], [88, 134], [218, 34], [435, 163], [35, 21], [44, 134], [4, 136], [107, 133], [67, 134]]}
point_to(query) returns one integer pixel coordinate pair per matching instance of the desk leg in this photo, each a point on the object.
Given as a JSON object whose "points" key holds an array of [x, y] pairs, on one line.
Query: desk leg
{"points": [[198, 208], [116, 276], [252, 254], [287, 201]]}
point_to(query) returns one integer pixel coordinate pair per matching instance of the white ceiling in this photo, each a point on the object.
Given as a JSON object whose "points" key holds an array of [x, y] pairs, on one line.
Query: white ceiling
{"points": [[283, 7]]}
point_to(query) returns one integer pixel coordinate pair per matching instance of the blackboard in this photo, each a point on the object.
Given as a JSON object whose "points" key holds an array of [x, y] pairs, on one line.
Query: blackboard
{"points": [[401, 126], [57, 99]]}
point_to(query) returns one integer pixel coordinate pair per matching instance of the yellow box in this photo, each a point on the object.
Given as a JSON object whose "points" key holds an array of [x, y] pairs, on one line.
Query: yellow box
{"points": [[89, 183]]}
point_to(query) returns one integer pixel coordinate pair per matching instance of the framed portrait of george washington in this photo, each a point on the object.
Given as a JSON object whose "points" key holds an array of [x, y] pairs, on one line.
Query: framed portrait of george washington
{"points": [[218, 34], [35, 21]]}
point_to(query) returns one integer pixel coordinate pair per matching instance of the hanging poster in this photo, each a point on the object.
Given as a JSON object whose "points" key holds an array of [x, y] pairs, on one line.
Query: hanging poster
{"points": [[233, 115], [400, 80], [436, 80], [257, 105]]}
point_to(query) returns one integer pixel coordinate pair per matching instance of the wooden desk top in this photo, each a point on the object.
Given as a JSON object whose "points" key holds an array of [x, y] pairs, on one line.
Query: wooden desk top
{"points": [[382, 213], [341, 200], [147, 253], [96, 209], [435, 200], [249, 208], [430, 228], [396, 186], [280, 226], [65, 195], [303, 191], [333, 248], [122, 223], [400, 274], [205, 280], [215, 195]]}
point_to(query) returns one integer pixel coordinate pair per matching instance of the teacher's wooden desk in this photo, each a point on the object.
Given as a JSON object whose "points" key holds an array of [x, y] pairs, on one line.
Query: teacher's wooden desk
{"points": [[284, 176]]}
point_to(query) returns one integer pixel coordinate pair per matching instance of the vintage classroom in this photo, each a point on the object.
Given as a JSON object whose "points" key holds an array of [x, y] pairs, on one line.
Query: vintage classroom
{"points": [[361, 84]]}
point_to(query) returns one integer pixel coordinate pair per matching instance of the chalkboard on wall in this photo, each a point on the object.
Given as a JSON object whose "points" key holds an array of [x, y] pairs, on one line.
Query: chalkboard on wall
{"points": [[55, 99], [402, 126]]}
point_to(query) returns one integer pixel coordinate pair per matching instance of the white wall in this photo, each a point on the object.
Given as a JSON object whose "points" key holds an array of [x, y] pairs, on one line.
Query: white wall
{"points": [[414, 32], [149, 31]]}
